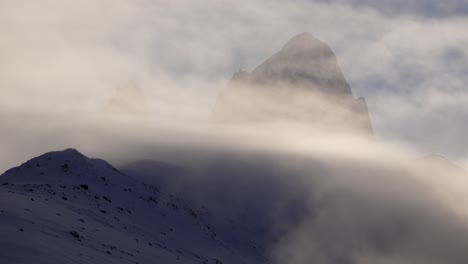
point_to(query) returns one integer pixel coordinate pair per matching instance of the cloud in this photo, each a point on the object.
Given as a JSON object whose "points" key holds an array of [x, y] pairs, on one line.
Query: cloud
{"points": [[325, 198], [423, 8], [69, 56], [378, 214], [318, 196]]}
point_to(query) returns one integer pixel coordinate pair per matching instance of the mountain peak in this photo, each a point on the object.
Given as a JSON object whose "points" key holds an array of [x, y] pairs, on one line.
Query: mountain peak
{"points": [[65, 166], [66, 154], [304, 63], [302, 82], [69, 151], [52, 165], [304, 41]]}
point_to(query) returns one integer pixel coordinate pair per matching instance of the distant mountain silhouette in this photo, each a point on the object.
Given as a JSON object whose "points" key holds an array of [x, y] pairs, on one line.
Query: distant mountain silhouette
{"points": [[301, 83]]}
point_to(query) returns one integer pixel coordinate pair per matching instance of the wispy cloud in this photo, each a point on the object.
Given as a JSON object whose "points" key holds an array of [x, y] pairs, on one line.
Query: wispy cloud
{"points": [[62, 56], [423, 8]]}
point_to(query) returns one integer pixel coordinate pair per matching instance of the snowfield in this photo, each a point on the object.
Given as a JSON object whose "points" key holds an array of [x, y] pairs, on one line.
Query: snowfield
{"points": [[63, 207]]}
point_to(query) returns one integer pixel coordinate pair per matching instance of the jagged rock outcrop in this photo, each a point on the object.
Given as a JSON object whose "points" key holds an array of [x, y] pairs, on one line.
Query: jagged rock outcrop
{"points": [[302, 83]]}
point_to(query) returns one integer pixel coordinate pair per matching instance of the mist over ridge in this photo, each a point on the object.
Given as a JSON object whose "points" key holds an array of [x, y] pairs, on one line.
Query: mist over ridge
{"points": [[215, 132]]}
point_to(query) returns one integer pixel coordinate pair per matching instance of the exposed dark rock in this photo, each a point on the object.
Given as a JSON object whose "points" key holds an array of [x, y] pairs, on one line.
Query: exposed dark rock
{"points": [[75, 234], [107, 199], [65, 167]]}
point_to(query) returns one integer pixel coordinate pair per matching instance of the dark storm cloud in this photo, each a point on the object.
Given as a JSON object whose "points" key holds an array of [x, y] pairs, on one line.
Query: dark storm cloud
{"points": [[424, 8]]}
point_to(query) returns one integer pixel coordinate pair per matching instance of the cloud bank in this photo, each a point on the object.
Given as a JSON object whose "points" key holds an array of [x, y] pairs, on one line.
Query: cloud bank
{"points": [[423, 8], [68, 56]]}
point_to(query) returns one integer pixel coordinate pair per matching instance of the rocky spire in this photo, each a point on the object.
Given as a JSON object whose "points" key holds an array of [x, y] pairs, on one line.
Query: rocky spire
{"points": [[304, 62], [302, 82]]}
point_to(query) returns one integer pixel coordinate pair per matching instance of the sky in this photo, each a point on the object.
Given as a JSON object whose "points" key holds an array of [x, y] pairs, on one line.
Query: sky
{"points": [[407, 58]]}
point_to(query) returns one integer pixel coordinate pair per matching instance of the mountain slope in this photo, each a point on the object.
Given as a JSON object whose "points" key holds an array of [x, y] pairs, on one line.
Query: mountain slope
{"points": [[63, 207]]}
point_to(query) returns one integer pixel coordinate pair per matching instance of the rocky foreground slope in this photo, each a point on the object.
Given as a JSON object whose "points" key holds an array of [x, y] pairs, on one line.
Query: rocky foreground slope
{"points": [[63, 207]]}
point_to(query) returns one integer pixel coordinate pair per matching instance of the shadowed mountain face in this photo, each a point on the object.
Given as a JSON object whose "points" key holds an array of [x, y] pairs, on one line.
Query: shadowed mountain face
{"points": [[302, 83], [63, 207]]}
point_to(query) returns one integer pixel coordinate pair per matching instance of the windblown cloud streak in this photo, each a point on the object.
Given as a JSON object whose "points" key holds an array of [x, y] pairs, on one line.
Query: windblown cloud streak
{"points": [[68, 56], [365, 202], [423, 8]]}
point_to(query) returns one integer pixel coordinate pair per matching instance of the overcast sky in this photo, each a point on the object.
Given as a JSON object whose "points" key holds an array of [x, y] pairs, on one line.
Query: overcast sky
{"points": [[408, 58]]}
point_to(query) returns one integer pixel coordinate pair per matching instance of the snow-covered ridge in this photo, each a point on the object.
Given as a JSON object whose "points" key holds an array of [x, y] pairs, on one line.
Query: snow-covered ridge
{"points": [[63, 207]]}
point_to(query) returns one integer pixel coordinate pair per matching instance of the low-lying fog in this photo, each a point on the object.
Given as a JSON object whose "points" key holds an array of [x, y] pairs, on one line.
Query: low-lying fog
{"points": [[327, 197]]}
